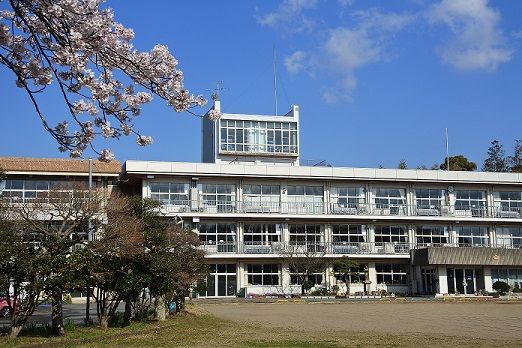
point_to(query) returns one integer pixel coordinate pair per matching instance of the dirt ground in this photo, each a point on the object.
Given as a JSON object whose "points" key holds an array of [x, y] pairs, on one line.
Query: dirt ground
{"points": [[487, 320]]}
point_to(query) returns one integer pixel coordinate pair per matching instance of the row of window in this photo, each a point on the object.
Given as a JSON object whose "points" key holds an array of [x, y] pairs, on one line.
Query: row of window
{"points": [[223, 276], [30, 189], [169, 193], [222, 280], [212, 233]]}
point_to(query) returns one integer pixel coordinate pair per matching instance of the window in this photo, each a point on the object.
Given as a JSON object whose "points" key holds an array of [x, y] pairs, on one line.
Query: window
{"points": [[298, 276], [348, 233], [470, 203], [510, 237], [429, 201], [431, 235], [346, 200], [355, 275], [305, 199], [214, 233], [472, 236], [262, 233], [217, 197], [263, 274], [391, 274], [508, 204], [390, 234], [390, 201], [221, 280], [26, 190], [261, 198], [258, 136], [512, 276], [170, 193], [305, 233]]}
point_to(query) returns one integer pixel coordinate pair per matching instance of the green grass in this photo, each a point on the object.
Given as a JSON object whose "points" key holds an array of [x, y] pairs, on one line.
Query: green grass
{"points": [[204, 330]]}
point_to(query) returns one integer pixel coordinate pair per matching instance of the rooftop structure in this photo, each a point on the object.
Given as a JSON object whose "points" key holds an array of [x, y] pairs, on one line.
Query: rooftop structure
{"points": [[251, 139]]}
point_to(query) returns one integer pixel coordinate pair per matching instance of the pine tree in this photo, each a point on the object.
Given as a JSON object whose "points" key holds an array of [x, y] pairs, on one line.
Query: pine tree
{"points": [[496, 161], [515, 161], [402, 164]]}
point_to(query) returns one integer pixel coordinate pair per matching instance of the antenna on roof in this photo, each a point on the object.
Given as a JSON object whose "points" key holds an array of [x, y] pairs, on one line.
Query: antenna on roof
{"points": [[447, 151], [216, 91], [275, 81]]}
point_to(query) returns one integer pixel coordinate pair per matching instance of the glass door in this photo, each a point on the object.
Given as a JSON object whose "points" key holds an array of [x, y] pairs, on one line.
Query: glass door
{"points": [[461, 281], [429, 283]]}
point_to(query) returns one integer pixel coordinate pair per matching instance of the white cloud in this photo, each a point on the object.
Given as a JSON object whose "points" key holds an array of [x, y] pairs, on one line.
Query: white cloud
{"points": [[478, 42], [296, 62], [349, 49], [289, 16]]}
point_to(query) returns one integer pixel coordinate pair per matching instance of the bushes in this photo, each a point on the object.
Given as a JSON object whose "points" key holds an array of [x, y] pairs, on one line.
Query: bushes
{"points": [[501, 287]]}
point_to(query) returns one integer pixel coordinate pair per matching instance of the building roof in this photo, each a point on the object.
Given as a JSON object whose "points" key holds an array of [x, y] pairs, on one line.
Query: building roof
{"points": [[319, 173], [15, 165]]}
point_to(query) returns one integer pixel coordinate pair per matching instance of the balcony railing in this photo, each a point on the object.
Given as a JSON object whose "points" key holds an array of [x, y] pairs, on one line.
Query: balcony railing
{"points": [[305, 249], [359, 209], [316, 249]]}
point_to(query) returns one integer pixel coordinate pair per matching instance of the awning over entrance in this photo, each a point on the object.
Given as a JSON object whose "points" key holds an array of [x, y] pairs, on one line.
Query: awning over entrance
{"points": [[466, 256]]}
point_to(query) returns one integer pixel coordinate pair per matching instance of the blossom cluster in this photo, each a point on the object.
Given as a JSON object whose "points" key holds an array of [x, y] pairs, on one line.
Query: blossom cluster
{"points": [[78, 45]]}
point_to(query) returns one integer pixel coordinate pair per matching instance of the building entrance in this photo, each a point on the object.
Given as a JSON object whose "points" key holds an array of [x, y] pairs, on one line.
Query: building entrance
{"points": [[429, 281], [462, 280]]}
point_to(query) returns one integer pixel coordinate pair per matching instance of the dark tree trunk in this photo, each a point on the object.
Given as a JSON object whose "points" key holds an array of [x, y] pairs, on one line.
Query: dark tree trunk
{"points": [[160, 311], [128, 311], [15, 330], [57, 314]]}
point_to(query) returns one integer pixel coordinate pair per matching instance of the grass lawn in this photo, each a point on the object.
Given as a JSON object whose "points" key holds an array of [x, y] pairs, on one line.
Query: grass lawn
{"points": [[200, 329]]}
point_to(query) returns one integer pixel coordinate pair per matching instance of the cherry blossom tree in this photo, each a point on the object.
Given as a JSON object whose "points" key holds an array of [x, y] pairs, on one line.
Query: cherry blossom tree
{"points": [[77, 46]]}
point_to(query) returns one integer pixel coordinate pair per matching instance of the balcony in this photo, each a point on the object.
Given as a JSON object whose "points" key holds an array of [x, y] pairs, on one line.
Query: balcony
{"points": [[360, 209], [319, 249], [306, 249]]}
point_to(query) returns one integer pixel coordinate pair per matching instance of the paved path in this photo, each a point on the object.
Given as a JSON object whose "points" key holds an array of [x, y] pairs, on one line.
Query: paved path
{"points": [[72, 312]]}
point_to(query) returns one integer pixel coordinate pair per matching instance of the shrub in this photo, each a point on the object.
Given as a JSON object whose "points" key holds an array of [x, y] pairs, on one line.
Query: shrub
{"points": [[518, 290], [307, 285], [501, 287]]}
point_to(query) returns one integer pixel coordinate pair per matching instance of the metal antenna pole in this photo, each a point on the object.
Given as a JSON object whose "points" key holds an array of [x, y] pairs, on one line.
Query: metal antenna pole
{"points": [[275, 81], [447, 150]]}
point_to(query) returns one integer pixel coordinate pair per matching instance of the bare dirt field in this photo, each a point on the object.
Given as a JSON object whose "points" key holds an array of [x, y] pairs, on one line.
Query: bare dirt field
{"points": [[489, 320]]}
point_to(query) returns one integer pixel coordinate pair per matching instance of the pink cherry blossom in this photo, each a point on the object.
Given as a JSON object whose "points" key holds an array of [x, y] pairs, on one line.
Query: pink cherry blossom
{"points": [[79, 47]]}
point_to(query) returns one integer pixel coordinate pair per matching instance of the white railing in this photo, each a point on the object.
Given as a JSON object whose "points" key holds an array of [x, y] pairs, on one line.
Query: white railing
{"points": [[358, 209]]}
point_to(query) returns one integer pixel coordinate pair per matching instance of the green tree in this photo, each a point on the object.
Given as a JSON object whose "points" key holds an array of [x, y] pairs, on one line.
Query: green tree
{"points": [[347, 267], [23, 272], [496, 160], [57, 221], [515, 161], [141, 258], [402, 164], [459, 163]]}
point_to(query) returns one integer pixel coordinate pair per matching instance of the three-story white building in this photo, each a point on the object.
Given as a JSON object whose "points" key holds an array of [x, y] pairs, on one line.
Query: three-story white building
{"points": [[418, 231]]}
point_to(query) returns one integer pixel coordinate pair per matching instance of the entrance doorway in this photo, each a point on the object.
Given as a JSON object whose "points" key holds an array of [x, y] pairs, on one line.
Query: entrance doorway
{"points": [[462, 281], [429, 281]]}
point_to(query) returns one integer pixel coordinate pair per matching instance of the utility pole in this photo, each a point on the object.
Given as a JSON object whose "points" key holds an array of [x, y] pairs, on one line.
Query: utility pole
{"points": [[89, 239]]}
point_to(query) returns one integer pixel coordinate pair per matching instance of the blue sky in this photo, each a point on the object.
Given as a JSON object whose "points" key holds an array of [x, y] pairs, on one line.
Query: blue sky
{"points": [[376, 81]]}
